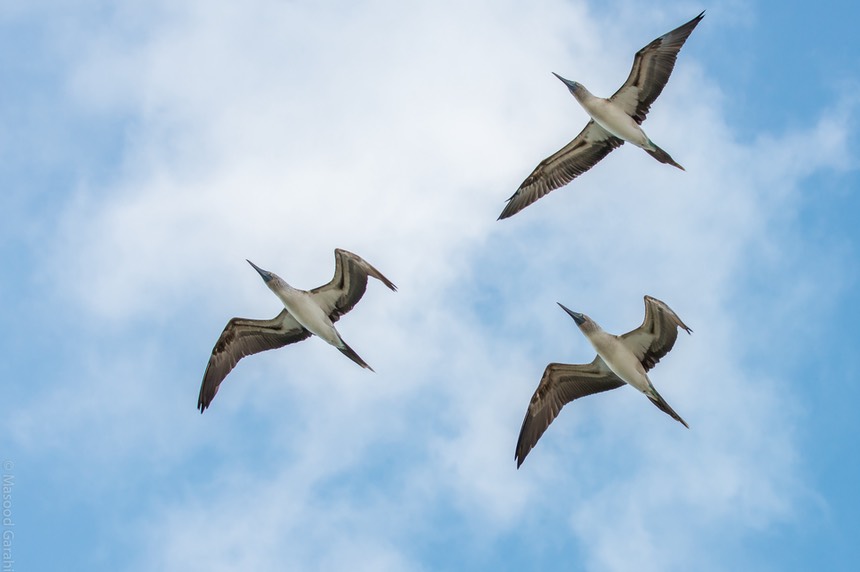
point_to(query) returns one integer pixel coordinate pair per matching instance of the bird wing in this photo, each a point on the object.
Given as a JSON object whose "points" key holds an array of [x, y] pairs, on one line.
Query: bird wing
{"points": [[657, 334], [561, 384], [586, 150], [347, 286], [652, 67], [243, 337]]}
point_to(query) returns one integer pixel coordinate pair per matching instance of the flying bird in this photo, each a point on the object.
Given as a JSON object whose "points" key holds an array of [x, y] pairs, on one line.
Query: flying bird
{"points": [[305, 313], [613, 121], [620, 359]]}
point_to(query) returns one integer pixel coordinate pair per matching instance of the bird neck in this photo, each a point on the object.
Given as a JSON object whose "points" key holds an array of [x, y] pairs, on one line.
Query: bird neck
{"points": [[582, 95], [279, 286], [595, 334]]}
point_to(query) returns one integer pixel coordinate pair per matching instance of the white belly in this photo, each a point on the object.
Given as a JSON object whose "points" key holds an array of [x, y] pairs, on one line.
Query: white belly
{"points": [[614, 120], [300, 305], [621, 361]]}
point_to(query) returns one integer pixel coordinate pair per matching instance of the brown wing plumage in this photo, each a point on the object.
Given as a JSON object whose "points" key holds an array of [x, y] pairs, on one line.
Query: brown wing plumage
{"points": [[652, 67], [243, 337], [591, 145], [348, 284], [657, 334], [561, 384]]}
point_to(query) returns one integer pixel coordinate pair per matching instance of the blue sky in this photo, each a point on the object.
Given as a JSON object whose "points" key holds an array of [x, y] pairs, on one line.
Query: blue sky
{"points": [[146, 151]]}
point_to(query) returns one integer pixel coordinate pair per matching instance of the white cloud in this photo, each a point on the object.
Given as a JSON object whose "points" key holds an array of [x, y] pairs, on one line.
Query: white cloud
{"points": [[280, 131]]}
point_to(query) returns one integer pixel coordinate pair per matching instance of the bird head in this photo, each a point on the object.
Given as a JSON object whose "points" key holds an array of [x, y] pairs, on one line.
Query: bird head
{"points": [[573, 86], [270, 278], [584, 322]]}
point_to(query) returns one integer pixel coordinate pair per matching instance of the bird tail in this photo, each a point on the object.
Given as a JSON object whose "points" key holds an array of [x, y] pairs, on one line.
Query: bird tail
{"points": [[661, 404], [350, 353], [663, 157]]}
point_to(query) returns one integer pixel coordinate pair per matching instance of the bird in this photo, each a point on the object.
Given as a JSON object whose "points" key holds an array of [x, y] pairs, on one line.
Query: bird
{"points": [[620, 360], [305, 313], [613, 121]]}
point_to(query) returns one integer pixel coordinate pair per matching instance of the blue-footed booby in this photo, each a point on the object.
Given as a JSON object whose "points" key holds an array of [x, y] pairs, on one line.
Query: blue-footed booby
{"points": [[305, 313], [613, 121], [620, 359]]}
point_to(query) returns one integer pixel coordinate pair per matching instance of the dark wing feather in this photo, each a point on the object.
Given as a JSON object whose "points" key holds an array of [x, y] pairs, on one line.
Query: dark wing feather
{"points": [[652, 67], [657, 334], [243, 337], [561, 384], [586, 150], [348, 285]]}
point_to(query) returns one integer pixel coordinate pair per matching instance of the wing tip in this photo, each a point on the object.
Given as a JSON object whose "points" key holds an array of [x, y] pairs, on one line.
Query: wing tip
{"points": [[521, 453], [510, 208], [204, 400], [368, 268], [381, 277], [678, 321]]}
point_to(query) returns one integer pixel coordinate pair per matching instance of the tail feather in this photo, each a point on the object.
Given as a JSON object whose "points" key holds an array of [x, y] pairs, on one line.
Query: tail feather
{"points": [[661, 404], [663, 157], [350, 353]]}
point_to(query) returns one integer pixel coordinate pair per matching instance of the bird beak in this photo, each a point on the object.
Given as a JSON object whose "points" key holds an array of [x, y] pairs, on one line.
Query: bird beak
{"points": [[571, 85], [264, 273], [577, 317]]}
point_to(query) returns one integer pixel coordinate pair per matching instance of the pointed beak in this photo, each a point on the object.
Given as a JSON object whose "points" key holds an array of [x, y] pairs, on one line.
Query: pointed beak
{"points": [[577, 317], [571, 85], [264, 273]]}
